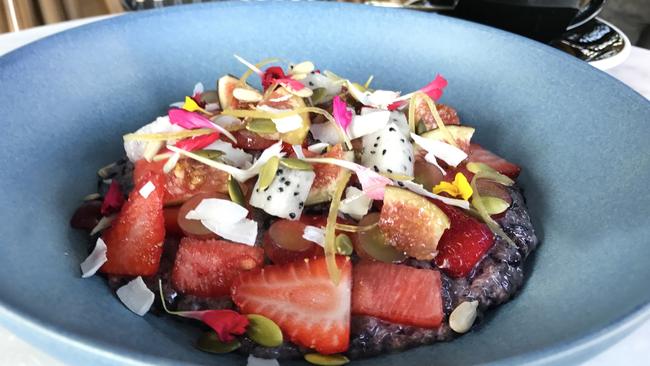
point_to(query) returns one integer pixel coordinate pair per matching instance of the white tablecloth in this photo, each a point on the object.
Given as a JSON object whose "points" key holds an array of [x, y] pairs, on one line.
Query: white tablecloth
{"points": [[633, 350]]}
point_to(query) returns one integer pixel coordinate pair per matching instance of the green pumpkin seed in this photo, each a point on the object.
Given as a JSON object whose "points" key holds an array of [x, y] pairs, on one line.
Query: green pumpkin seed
{"points": [[297, 164], [326, 360], [267, 173], [235, 192], [494, 205], [318, 96], [261, 126], [343, 244], [209, 342], [422, 128], [209, 154], [263, 331]]}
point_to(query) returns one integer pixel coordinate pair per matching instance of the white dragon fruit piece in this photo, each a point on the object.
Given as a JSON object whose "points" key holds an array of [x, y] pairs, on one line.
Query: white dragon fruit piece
{"points": [[286, 195], [388, 151]]}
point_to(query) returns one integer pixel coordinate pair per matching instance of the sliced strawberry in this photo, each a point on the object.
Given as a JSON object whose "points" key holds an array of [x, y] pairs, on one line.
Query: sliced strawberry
{"points": [[135, 240], [300, 297], [397, 293], [207, 268], [187, 179], [462, 245], [478, 154]]}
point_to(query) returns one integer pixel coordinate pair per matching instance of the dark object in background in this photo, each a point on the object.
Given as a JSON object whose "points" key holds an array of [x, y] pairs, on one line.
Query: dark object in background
{"points": [[591, 41], [542, 20]]}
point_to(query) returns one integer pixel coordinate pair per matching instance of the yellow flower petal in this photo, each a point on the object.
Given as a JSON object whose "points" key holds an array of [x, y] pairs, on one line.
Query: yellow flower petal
{"points": [[190, 105], [464, 189], [446, 187]]}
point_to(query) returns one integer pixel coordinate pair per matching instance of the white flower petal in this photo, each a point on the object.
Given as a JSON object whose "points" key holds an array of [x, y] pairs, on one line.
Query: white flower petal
{"points": [[95, 260], [146, 189], [314, 234], [218, 210], [136, 296], [448, 153]]}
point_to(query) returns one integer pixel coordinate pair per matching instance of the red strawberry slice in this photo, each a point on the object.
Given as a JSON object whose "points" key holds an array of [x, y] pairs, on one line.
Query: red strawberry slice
{"points": [[300, 297], [478, 154], [463, 245], [207, 268], [397, 293], [135, 240]]}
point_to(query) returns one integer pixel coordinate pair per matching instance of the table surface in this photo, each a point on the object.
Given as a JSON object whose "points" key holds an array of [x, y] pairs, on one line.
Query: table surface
{"points": [[633, 350]]}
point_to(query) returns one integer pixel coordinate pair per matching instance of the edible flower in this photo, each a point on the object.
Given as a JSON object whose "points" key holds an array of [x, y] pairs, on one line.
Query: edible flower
{"points": [[113, 200], [192, 120], [191, 105], [460, 187], [226, 323], [275, 75], [373, 184], [434, 90], [197, 92], [197, 142], [342, 115]]}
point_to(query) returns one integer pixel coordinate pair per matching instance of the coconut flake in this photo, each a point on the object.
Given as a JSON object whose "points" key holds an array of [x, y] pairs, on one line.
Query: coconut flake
{"points": [[135, 149], [232, 155], [282, 98], [439, 149], [368, 123], [215, 209], [146, 190], [325, 132], [136, 296], [356, 203], [247, 95], [104, 223], [319, 147], [419, 189], [255, 361], [244, 231], [314, 234], [297, 149], [382, 98], [95, 260], [171, 162], [284, 124]]}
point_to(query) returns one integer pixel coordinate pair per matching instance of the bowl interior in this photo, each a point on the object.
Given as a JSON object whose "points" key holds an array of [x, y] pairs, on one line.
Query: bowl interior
{"points": [[580, 136]]}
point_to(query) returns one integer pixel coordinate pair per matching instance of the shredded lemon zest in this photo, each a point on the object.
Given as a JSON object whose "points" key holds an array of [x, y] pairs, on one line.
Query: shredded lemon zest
{"points": [[412, 107], [485, 215], [242, 113], [355, 228], [441, 125], [249, 72], [367, 84], [166, 136], [460, 187], [330, 230]]}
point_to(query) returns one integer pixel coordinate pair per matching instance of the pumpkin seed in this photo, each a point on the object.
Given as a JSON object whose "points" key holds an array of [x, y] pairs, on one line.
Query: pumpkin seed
{"points": [[494, 205], [326, 360], [209, 342], [267, 173], [247, 95], [262, 126], [422, 128], [318, 96], [343, 244], [463, 316], [263, 331], [209, 154], [235, 192], [297, 164]]}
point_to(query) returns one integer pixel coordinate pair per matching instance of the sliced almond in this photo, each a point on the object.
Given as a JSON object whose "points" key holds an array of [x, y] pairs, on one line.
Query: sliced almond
{"points": [[463, 316], [247, 95]]}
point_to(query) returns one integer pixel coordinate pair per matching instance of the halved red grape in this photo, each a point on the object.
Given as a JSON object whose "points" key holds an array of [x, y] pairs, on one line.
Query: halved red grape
{"points": [[372, 245]]}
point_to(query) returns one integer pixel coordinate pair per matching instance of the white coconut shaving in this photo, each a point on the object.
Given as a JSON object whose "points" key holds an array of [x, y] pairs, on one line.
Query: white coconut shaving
{"points": [[95, 260], [135, 150], [104, 223], [226, 219], [146, 189], [136, 296], [325, 132], [284, 124], [297, 149], [255, 361], [438, 149], [319, 147], [171, 162], [232, 155], [356, 203], [314, 234], [368, 123]]}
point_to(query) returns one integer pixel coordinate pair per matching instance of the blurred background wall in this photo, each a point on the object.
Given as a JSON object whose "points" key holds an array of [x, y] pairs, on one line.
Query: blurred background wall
{"points": [[632, 16]]}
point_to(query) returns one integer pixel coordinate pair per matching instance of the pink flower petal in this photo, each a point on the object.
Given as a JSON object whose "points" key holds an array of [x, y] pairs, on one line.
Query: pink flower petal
{"points": [[197, 142], [342, 115], [434, 90], [291, 83], [189, 120], [226, 323], [113, 200], [372, 184]]}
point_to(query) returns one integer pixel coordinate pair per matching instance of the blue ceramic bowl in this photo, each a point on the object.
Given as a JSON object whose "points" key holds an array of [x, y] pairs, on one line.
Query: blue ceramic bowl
{"points": [[581, 137]]}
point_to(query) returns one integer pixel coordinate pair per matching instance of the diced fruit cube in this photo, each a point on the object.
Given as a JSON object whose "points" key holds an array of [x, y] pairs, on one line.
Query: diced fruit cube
{"points": [[135, 240], [207, 268], [397, 293], [411, 223], [300, 297], [327, 175]]}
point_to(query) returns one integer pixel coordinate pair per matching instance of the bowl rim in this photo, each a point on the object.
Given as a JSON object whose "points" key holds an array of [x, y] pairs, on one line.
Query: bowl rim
{"points": [[44, 334]]}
